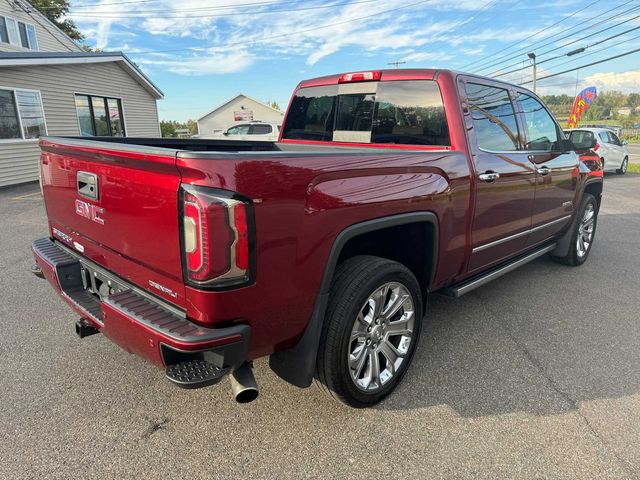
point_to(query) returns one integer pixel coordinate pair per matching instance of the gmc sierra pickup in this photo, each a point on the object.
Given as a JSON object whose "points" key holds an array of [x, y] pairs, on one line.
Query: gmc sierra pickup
{"points": [[318, 250]]}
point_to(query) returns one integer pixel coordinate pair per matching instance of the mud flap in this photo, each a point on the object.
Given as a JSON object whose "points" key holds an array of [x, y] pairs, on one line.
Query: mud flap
{"points": [[297, 365]]}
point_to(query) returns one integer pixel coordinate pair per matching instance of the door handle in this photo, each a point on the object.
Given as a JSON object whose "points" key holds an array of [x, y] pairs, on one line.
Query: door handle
{"points": [[489, 176], [543, 170]]}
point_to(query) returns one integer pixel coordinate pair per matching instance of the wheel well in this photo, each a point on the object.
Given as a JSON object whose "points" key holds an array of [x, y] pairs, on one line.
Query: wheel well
{"points": [[595, 189], [411, 244]]}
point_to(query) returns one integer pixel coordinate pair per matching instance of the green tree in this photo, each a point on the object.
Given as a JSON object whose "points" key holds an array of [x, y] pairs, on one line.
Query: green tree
{"points": [[192, 125], [54, 10], [168, 128]]}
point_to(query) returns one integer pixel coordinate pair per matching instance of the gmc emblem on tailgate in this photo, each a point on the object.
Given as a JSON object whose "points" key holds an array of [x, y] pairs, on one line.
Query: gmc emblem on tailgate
{"points": [[89, 211]]}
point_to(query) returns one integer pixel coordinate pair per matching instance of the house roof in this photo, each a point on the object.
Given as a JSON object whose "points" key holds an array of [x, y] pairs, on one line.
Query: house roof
{"points": [[19, 59], [232, 99]]}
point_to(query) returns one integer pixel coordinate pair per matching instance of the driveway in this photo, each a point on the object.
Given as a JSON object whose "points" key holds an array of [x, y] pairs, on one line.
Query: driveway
{"points": [[536, 375]]}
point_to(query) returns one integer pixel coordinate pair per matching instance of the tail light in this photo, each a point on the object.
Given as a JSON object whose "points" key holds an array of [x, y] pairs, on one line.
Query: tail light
{"points": [[217, 231], [595, 149], [360, 77]]}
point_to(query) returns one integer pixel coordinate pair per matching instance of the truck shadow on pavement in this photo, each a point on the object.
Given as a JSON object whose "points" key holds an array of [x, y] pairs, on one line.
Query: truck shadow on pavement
{"points": [[539, 340]]}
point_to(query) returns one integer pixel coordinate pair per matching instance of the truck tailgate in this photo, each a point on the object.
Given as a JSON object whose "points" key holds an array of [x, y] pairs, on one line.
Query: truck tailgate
{"points": [[118, 206]]}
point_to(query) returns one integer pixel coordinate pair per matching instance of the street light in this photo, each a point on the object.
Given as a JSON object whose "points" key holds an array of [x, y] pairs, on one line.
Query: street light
{"points": [[532, 56]]}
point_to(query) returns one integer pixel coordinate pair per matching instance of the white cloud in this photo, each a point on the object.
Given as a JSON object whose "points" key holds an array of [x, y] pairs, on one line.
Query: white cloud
{"points": [[239, 35], [204, 65], [625, 82]]}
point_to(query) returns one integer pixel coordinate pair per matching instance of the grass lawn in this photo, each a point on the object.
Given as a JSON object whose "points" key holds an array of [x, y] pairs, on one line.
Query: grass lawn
{"points": [[633, 168]]}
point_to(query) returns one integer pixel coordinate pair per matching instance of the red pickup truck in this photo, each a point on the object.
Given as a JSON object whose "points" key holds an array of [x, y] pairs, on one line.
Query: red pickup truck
{"points": [[318, 250]]}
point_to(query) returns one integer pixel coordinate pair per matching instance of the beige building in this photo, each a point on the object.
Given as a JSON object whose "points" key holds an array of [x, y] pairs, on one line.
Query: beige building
{"points": [[50, 86], [239, 109]]}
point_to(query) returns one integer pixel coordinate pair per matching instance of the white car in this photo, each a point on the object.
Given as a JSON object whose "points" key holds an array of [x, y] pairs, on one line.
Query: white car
{"points": [[258, 131], [613, 152]]}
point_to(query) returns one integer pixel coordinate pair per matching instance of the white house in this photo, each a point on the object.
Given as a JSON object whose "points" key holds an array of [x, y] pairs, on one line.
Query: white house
{"points": [[239, 109]]}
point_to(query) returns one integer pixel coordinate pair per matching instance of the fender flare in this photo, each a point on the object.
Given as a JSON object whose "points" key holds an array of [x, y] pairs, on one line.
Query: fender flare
{"points": [[297, 364]]}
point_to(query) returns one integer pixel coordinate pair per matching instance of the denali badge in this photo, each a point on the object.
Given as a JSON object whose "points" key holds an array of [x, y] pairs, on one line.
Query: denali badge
{"points": [[162, 288], [89, 211], [62, 235]]}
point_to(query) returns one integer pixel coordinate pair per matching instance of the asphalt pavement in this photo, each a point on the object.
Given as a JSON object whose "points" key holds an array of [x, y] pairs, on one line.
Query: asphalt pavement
{"points": [[536, 375]]}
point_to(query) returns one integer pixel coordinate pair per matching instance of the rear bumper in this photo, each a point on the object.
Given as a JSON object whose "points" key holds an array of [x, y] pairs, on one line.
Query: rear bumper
{"points": [[138, 322]]}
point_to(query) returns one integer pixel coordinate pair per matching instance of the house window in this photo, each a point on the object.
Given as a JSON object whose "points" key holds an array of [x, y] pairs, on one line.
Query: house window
{"points": [[17, 33], [100, 116], [21, 115]]}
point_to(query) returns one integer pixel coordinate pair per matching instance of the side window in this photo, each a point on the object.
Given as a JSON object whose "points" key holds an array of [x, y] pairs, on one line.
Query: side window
{"points": [[239, 130], [494, 119], [260, 129], [614, 139], [604, 137], [541, 128]]}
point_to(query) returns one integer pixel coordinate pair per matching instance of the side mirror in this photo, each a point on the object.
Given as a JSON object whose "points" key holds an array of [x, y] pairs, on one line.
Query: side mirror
{"points": [[568, 146], [624, 142], [225, 133]]}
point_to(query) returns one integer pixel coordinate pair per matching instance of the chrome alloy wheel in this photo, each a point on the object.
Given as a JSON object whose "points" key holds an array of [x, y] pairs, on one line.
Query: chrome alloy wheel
{"points": [[381, 336], [585, 230]]}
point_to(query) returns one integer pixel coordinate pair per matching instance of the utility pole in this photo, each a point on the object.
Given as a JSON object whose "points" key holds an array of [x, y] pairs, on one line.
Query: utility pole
{"points": [[397, 63], [532, 56]]}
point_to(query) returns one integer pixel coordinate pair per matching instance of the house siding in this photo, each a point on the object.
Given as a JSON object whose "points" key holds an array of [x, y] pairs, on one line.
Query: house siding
{"points": [[50, 39], [57, 85]]}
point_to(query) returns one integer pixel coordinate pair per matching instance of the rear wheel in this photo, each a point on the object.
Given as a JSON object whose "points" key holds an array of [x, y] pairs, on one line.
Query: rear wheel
{"points": [[371, 330], [584, 232], [623, 168]]}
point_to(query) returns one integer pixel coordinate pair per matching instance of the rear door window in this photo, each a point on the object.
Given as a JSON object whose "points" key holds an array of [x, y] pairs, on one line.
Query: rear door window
{"points": [[399, 112], [260, 129], [493, 116]]}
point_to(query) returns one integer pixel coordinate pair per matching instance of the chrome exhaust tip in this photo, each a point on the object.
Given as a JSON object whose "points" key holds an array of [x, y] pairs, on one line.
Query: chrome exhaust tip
{"points": [[243, 384]]}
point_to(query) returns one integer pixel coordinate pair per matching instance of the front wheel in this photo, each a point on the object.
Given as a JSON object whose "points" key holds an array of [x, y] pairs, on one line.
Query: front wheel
{"points": [[371, 330], [623, 168], [584, 232]]}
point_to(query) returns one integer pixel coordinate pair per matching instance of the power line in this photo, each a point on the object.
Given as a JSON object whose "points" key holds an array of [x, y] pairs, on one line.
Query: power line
{"points": [[574, 52], [259, 40], [128, 2], [536, 44], [145, 14], [591, 35], [596, 51], [480, 60], [478, 25], [586, 65]]}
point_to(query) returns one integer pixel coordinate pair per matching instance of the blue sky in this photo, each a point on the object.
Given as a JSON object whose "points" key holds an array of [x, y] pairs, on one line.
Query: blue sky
{"points": [[202, 52]]}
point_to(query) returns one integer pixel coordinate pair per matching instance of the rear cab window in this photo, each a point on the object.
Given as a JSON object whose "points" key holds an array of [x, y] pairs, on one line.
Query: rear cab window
{"points": [[406, 112]]}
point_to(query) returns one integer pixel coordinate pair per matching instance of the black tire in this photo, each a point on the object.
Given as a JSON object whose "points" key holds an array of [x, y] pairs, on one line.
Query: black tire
{"points": [[354, 282], [623, 168], [574, 257], [602, 163]]}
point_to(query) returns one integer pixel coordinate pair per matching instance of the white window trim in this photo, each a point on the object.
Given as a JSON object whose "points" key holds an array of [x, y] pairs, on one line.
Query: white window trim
{"points": [[27, 24], [15, 99], [102, 95]]}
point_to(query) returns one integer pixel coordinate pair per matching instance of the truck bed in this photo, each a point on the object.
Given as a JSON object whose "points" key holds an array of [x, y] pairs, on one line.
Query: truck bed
{"points": [[209, 145]]}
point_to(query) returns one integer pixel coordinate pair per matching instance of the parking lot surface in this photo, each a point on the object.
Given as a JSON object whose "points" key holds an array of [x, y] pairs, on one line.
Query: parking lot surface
{"points": [[536, 375]]}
